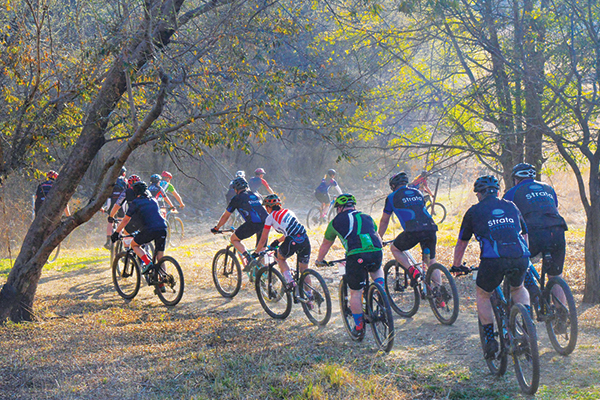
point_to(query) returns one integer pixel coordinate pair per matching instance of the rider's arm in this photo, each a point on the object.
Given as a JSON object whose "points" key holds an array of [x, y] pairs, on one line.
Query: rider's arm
{"points": [[459, 251], [115, 210], [338, 188], [164, 196], [266, 185], [263, 239], [222, 220], [123, 223], [325, 246], [383, 224], [178, 197]]}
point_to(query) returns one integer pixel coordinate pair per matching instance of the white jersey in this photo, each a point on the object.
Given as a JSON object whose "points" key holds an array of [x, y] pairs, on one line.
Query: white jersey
{"points": [[285, 222]]}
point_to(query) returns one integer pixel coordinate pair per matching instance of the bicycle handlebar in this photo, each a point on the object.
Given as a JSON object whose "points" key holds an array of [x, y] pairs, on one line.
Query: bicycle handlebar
{"points": [[331, 263], [462, 270], [230, 230]]}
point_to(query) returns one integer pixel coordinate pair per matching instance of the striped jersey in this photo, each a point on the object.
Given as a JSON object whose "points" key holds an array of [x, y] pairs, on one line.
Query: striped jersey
{"points": [[285, 222]]}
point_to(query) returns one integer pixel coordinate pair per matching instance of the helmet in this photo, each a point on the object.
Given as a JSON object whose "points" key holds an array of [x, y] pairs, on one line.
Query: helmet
{"points": [[259, 171], [140, 188], [239, 183], [523, 170], [123, 170], [167, 174], [400, 179], [241, 174], [272, 200], [345, 200], [133, 179], [331, 172], [486, 183], [52, 175], [155, 178]]}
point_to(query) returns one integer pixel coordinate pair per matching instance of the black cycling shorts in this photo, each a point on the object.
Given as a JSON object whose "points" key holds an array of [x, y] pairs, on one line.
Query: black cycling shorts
{"points": [[299, 245], [159, 237], [248, 229], [408, 240], [358, 265], [550, 240], [493, 270], [323, 198]]}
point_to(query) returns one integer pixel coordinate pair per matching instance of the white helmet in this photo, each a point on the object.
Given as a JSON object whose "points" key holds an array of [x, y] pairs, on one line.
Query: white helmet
{"points": [[240, 174]]}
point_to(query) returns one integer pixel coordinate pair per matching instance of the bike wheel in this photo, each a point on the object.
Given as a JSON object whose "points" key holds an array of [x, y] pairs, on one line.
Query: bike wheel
{"points": [[126, 275], [403, 298], [272, 295], [525, 349], [438, 212], [313, 218], [562, 325], [499, 363], [227, 273], [170, 281], [381, 318], [315, 297], [347, 317], [176, 231], [115, 248], [443, 295]]}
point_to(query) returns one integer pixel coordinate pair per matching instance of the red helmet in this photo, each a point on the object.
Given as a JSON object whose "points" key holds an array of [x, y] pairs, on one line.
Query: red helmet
{"points": [[167, 174], [259, 171], [52, 175], [133, 179]]}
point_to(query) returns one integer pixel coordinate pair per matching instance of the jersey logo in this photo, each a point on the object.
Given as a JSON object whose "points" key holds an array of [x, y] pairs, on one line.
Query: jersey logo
{"points": [[499, 218], [536, 187], [409, 192], [498, 213]]}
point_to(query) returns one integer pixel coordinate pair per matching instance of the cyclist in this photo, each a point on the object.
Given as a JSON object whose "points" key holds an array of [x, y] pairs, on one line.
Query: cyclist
{"points": [[157, 192], [43, 189], [257, 182], [145, 211], [358, 234], [118, 188], [420, 183], [502, 234], [126, 197], [293, 240], [249, 206], [231, 191], [322, 191], [409, 206], [169, 188]]}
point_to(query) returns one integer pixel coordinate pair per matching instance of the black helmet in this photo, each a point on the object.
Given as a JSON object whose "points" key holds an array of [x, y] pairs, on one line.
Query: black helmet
{"points": [[155, 178], [400, 179], [331, 172], [272, 200], [139, 188], [486, 184], [345, 200], [239, 183], [523, 170]]}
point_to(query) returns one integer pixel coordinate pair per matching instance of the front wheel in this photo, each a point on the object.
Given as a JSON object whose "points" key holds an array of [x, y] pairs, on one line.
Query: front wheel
{"points": [[443, 294], [404, 299], [525, 349], [562, 323], [227, 273], [126, 275], [347, 317], [315, 297], [272, 294], [381, 318], [170, 281], [314, 219], [437, 211]]}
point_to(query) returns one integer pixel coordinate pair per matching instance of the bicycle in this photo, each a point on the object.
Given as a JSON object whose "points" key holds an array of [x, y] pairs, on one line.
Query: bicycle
{"points": [[166, 276], [124, 242], [436, 209], [314, 217], [376, 310], [405, 300], [517, 337], [560, 317], [174, 227], [307, 288]]}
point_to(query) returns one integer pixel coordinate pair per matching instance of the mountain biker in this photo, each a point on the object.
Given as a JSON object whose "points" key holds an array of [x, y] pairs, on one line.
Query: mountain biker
{"points": [[358, 234], [43, 189], [249, 206], [126, 197], [145, 212], [502, 234], [118, 188], [231, 191], [257, 182], [322, 191], [157, 192], [169, 188], [420, 183], [409, 206], [293, 240]]}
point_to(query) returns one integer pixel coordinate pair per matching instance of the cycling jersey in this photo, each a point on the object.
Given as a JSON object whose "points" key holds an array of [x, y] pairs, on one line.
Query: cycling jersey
{"points": [[41, 193], [168, 188], [497, 225], [357, 232], [118, 188], [409, 206], [146, 211], [128, 195], [249, 206], [538, 203], [285, 222], [325, 185], [256, 183], [156, 191]]}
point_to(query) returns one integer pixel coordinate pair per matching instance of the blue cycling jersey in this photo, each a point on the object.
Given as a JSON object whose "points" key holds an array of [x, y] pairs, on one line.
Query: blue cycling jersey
{"points": [[146, 211], [409, 206], [325, 185], [497, 225], [249, 206]]}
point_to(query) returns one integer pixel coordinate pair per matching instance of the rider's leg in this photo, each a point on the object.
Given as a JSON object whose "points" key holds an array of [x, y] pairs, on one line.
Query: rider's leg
{"points": [[519, 295], [356, 307], [400, 257], [137, 249], [284, 267], [378, 277], [239, 246], [484, 306]]}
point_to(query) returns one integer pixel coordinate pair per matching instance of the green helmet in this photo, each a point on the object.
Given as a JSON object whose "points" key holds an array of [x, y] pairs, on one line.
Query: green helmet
{"points": [[345, 200]]}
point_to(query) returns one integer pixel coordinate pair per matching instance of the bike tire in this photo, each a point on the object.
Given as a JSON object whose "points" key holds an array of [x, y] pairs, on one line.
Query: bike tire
{"points": [[115, 248], [227, 273], [347, 317], [176, 231], [437, 212], [381, 318], [443, 299], [170, 274], [318, 311], [499, 363], [403, 298], [525, 349], [313, 218], [563, 343], [126, 275], [271, 292]]}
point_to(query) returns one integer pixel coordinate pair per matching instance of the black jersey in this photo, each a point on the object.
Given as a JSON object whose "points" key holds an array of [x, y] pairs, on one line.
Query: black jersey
{"points": [[249, 206], [42, 191]]}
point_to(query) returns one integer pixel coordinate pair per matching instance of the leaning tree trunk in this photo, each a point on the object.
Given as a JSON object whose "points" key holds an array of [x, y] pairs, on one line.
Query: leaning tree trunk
{"points": [[591, 293]]}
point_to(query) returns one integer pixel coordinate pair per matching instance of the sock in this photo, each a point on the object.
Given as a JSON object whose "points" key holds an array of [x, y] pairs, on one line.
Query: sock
{"points": [[288, 276], [529, 281], [358, 320], [380, 281], [489, 332], [145, 259]]}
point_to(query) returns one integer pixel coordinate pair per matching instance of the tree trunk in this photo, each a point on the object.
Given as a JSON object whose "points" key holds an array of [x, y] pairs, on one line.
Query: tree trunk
{"points": [[591, 293]]}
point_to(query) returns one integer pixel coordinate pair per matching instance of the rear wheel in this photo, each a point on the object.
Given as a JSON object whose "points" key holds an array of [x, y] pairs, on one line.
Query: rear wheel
{"points": [[126, 275], [438, 212], [313, 219], [443, 294], [227, 273], [315, 297], [271, 292], [381, 318], [347, 317], [171, 284], [562, 325], [525, 349], [175, 231], [499, 362], [403, 298]]}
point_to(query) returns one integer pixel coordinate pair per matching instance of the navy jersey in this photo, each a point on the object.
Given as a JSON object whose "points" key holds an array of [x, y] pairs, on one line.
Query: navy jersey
{"points": [[497, 225], [41, 193], [325, 185], [249, 206], [409, 206], [538, 203], [146, 212], [357, 231]]}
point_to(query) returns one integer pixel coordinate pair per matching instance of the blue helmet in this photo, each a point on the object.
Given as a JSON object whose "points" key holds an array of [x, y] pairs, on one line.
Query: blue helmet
{"points": [[155, 178]]}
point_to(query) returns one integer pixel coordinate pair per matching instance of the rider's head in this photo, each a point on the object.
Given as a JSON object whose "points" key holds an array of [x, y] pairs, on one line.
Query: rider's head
{"points": [[523, 171], [51, 175], [240, 174], [331, 173], [167, 175], [132, 180], [123, 171], [140, 188], [273, 201], [398, 180], [486, 185], [259, 171], [155, 178], [345, 200], [239, 184]]}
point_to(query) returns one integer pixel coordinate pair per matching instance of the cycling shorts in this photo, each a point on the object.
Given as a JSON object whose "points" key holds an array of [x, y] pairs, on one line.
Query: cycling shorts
{"points": [[248, 229], [408, 240], [323, 198], [493, 270], [358, 265], [299, 245], [159, 237], [550, 240]]}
